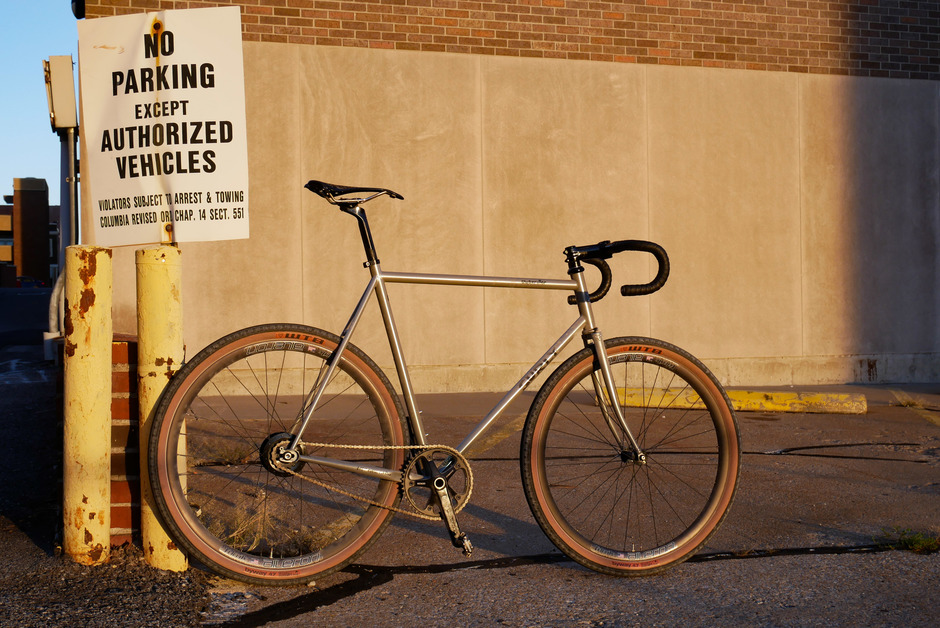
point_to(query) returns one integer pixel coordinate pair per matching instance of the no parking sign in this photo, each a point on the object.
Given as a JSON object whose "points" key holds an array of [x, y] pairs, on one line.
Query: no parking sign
{"points": [[163, 121]]}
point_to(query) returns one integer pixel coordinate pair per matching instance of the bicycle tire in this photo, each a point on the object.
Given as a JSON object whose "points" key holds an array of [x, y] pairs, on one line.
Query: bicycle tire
{"points": [[598, 505], [251, 522]]}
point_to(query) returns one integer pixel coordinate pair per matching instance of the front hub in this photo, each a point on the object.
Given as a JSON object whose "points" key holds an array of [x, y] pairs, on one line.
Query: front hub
{"points": [[628, 455]]}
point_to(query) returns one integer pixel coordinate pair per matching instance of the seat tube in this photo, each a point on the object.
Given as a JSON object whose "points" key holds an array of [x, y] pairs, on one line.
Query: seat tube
{"points": [[398, 355], [372, 263]]}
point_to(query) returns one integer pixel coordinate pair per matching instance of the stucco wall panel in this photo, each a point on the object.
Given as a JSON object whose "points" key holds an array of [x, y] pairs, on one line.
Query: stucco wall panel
{"points": [[232, 284], [565, 164], [724, 201], [411, 123], [801, 213], [871, 213]]}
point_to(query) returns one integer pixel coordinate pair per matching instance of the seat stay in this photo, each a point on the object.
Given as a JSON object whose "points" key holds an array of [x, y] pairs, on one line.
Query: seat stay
{"points": [[313, 398]]}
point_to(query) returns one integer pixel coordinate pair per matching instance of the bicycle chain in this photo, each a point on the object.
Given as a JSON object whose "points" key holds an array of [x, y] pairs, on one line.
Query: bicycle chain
{"points": [[371, 502]]}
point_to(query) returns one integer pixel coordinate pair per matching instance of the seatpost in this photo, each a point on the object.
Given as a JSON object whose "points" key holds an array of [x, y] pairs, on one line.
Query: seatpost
{"points": [[355, 209]]}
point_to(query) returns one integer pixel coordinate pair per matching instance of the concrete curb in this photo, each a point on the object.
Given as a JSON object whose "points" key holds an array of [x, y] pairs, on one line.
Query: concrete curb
{"points": [[919, 405]]}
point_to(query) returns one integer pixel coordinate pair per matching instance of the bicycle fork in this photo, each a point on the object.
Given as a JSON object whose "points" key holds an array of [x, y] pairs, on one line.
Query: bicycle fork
{"points": [[608, 400], [602, 377]]}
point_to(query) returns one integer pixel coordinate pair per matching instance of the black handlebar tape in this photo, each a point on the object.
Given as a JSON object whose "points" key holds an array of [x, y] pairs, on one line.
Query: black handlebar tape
{"points": [[602, 289], [633, 290]]}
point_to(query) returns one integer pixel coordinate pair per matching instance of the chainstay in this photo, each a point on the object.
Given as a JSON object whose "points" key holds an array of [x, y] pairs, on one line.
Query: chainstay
{"points": [[371, 502]]}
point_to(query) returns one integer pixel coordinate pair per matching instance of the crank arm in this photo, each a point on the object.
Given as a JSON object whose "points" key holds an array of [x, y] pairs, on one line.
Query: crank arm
{"points": [[458, 538]]}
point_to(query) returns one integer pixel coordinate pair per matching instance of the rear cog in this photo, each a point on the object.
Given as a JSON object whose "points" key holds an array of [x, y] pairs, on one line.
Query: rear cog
{"points": [[278, 458]]}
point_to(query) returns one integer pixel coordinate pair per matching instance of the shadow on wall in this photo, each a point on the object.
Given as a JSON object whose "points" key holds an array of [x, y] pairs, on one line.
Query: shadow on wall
{"points": [[893, 149], [872, 215], [895, 227]]}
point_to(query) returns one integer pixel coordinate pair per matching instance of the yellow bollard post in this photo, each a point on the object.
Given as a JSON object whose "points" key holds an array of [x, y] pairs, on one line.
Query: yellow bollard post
{"points": [[159, 356], [86, 481]]}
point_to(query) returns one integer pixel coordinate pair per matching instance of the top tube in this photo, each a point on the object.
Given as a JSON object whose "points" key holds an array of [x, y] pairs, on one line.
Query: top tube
{"points": [[479, 280]]}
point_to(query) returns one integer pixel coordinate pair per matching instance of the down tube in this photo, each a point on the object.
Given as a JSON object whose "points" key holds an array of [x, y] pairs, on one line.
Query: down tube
{"points": [[523, 382]]}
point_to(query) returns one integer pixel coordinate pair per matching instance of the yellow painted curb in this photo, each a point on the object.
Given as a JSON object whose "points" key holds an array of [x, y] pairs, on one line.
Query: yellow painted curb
{"points": [[752, 401], [823, 403]]}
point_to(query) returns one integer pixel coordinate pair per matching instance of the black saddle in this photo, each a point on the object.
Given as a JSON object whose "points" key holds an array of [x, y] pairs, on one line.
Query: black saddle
{"points": [[330, 191]]}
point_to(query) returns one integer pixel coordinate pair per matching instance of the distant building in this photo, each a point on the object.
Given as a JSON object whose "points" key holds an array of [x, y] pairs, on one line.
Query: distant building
{"points": [[29, 235]]}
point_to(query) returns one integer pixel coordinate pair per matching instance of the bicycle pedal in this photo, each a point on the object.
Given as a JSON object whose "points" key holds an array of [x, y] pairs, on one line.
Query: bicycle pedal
{"points": [[462, 542]]}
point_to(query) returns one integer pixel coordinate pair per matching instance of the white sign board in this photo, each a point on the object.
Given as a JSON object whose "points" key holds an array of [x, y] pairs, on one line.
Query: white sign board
{"points": [[163, 121]]}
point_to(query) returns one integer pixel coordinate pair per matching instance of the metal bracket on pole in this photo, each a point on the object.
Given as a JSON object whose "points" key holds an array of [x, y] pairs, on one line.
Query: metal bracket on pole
{"points": [[63, 116]]}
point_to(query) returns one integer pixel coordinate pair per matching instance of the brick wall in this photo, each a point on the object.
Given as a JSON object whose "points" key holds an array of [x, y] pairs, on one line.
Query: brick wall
{"points": [[885, 38], [125, 445]]}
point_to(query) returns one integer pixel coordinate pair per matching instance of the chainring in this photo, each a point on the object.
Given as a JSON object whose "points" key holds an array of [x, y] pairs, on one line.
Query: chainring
{"points": [[416, 479]]}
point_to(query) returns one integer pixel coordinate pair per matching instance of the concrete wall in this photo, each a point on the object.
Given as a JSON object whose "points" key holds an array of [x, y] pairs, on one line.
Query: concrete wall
{"points": [[801, 212]]}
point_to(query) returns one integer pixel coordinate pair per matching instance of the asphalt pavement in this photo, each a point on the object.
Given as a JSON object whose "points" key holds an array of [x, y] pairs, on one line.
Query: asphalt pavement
{"points": [[815, 537], [827, 505]]}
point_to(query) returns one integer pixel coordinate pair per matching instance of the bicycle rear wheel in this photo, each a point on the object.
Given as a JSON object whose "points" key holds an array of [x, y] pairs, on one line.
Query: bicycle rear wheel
{"points": [[223, 501], [594, 499]]}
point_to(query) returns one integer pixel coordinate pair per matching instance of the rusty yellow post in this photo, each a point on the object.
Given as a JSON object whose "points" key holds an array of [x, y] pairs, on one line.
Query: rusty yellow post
{"points": [[159, 356], [87, 405]]}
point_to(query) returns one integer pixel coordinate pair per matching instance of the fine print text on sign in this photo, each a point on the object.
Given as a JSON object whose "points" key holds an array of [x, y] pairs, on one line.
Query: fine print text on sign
{"points": [[163, 120]]}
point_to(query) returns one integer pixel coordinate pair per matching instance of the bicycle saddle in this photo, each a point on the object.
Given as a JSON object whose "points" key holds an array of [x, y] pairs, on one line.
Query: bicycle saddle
{"points": [[330, 191]]}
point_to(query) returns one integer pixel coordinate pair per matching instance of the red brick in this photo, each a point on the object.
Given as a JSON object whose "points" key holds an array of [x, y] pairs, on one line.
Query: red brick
{"points": [[843, 35], [124, 408], [121, 382], [118, 539], [125, 518], [125, 436], [125, 492], [125, 463]]}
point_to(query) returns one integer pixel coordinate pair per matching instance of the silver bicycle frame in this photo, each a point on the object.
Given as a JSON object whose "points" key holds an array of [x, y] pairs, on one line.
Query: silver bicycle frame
{"points": [[584, 323]]}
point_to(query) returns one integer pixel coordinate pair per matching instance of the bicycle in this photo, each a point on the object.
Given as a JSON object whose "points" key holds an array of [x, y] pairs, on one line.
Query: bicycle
{"points": [[280, 452]]}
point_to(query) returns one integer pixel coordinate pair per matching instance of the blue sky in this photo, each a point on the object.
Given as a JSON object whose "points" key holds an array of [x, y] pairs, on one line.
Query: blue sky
{"points": [[31, 30]]}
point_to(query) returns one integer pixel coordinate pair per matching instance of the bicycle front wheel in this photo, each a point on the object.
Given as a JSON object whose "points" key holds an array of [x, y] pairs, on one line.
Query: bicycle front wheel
{"points": [[600, 503], [214, 485]]}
